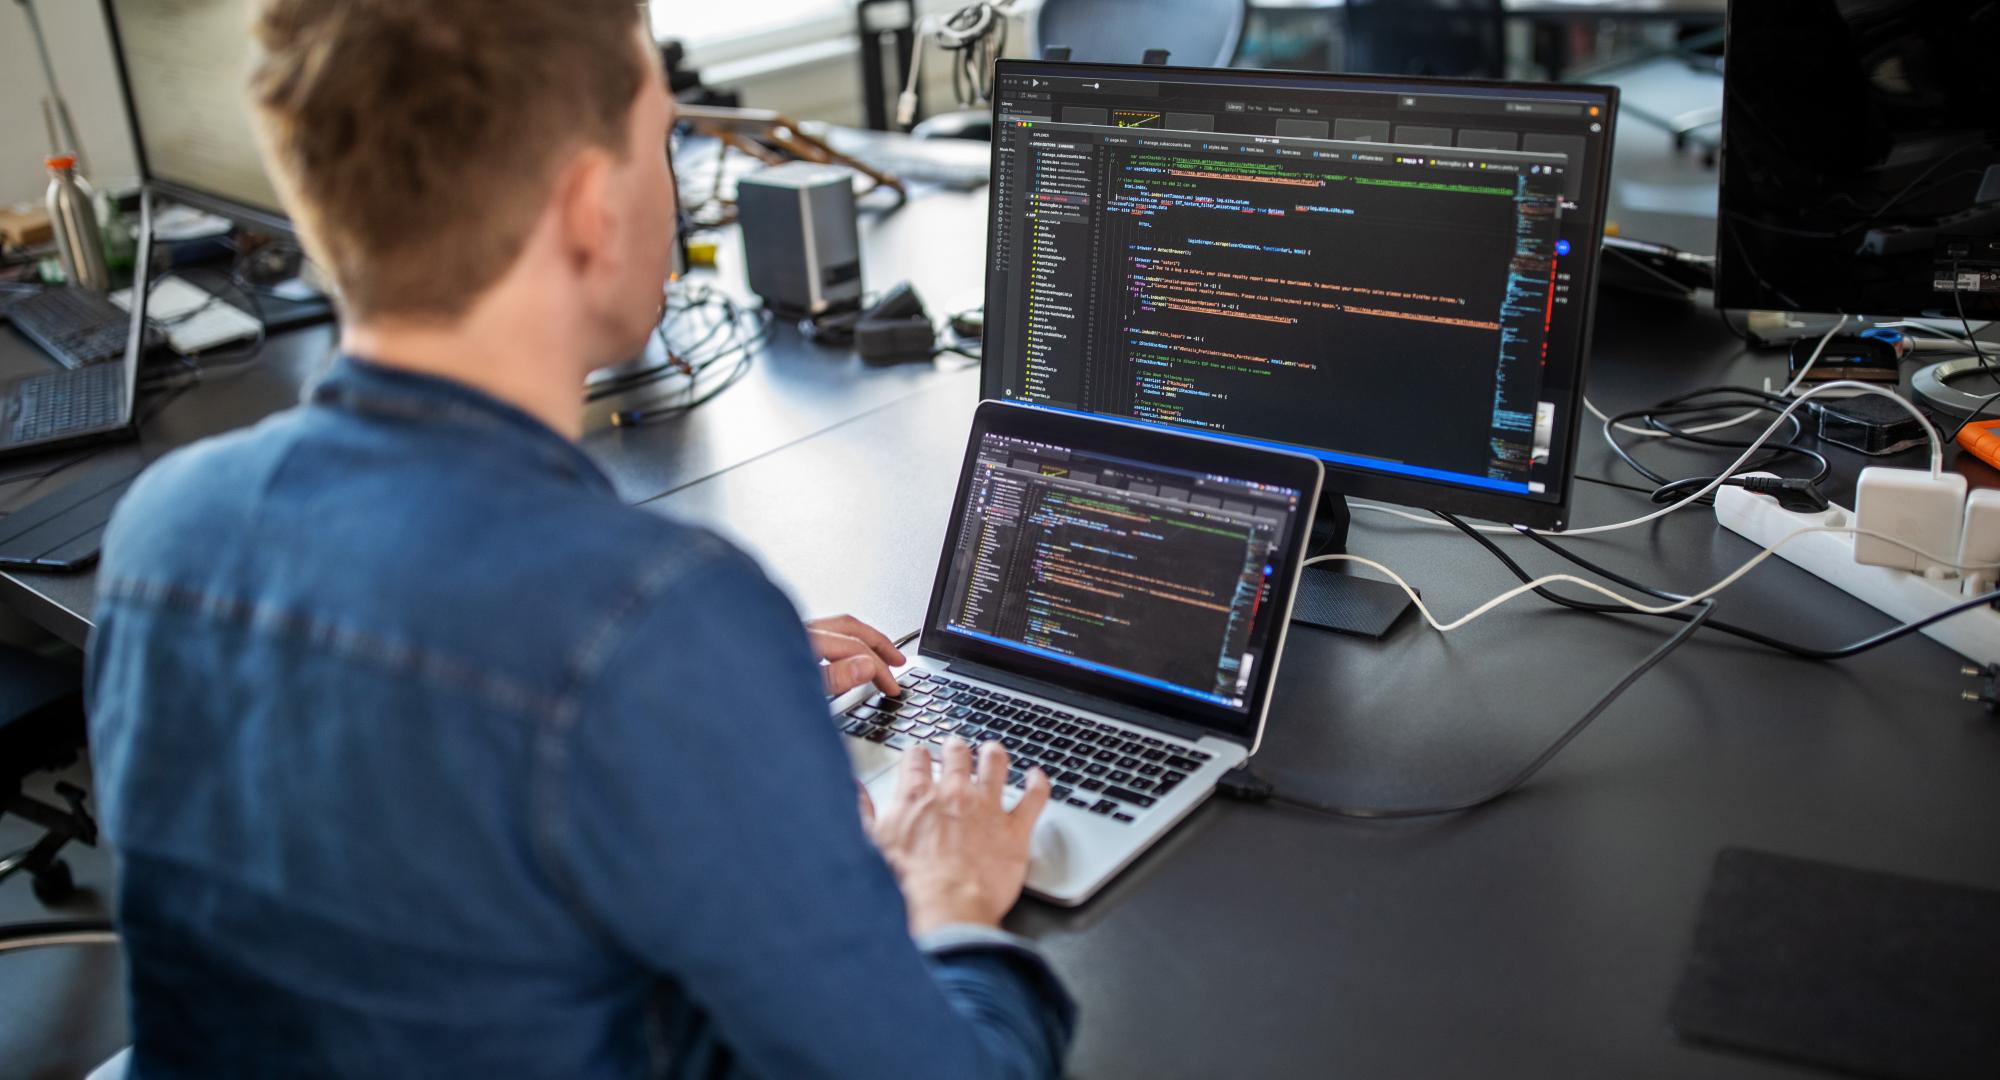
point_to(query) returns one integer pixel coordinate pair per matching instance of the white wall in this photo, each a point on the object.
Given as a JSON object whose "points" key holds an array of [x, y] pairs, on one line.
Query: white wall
{"points": [[828, 89], [82, 51]]}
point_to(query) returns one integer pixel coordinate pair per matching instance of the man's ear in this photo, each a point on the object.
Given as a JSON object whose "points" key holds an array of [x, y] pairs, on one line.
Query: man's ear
{"points": [[584, 214]]}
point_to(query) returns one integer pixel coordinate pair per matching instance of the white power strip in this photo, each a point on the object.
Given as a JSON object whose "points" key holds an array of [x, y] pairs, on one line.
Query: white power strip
{"points": [[1902, 595]]}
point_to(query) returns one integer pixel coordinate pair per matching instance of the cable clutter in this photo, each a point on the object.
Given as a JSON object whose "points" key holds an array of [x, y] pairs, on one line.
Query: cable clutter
{"points": [[710, 342]]}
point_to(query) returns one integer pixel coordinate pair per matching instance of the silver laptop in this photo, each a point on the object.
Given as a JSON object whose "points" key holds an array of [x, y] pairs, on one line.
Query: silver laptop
{"points": [[1111, 605], [87, 404]]}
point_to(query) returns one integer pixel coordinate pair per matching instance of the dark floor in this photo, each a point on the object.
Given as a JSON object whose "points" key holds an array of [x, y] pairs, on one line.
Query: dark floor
{"points": [[62, 1011]]}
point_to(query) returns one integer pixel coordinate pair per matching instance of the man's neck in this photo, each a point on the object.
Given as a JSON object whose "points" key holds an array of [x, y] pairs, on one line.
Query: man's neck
{"points": [[514, 364]]}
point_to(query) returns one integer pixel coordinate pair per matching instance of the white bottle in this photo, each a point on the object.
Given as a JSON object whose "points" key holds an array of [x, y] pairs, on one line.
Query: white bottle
{"points": [[73, 214]]}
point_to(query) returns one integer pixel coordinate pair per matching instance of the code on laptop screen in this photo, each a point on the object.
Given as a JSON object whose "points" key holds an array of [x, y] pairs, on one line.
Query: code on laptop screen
{"points": [[1158, 576]]}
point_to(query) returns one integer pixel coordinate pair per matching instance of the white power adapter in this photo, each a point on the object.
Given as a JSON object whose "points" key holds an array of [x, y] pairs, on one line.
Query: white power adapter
{"points": [[1913, 506], [1979, 547]]}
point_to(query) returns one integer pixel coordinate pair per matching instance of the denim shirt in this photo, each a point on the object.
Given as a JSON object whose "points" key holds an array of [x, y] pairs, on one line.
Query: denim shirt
{"points": [[423, 755]]}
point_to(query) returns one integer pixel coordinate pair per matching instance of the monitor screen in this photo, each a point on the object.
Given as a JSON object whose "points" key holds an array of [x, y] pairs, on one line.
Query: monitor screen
{"points": [[1861, 159], [186, 65], [1153, 575], [1391, 274]]}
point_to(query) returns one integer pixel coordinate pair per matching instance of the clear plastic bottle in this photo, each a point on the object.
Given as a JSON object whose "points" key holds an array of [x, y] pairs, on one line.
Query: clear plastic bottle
{"points": [[73, 213]]}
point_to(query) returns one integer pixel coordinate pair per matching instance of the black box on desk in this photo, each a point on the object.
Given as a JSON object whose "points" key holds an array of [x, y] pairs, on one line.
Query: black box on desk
{"points": [[800, 243]]}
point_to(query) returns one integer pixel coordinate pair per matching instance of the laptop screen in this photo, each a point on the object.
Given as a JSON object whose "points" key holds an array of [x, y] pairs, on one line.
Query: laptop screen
{"points": [[1090, 558]]}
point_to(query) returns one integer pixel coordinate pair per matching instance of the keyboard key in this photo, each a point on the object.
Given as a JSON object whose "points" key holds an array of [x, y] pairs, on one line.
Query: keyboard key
{"points": [[920, 673], [1096, 769], [903, 723], [1104, 806], [1068, 776], [1061, 715], [1150, 741], [1011, 742], [1134, 746], [969, 731], [1124, 795], [961, 711], [1121, 816], [880, 734], [1139, 783], [1061, 743], [861, 712], [1118, 776], [1081, 804], [1106, 756], [1042, 709], [1183, 764], [1091, 783], [900, 741], [1066, 729], [1075, 762], [1128, 763], [1149, 770], [1198, 755], [1043, 723], [1171, 777], [918, 700], [1015, 777], [858, 727], [923, 731], [1059, 792], [988, 735], [1154, 755]]}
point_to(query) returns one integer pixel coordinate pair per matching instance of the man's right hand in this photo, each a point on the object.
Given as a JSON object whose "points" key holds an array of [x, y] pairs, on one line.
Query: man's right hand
{"points": [[960, 857]]}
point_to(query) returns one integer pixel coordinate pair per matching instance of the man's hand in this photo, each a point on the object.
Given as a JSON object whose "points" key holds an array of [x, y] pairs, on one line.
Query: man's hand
{"points": [[959, 857], [855, 654]]}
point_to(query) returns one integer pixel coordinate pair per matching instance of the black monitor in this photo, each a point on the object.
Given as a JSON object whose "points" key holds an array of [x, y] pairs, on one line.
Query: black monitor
{"points": [[184, 66], [1392, 274], [1861, 159]]}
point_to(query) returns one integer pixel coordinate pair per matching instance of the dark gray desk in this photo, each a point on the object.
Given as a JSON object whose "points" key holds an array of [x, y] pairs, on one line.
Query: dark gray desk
{"points": [[1540, 937]]}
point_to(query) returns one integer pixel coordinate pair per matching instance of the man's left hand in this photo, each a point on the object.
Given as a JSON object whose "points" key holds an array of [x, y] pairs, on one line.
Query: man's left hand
{"points": [[855, 654]]}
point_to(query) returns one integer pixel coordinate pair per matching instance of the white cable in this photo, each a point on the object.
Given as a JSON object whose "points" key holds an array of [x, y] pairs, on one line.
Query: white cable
{"points": [[1937, 466], [1719, 425], [58, 938], [1937, 450], [1646, 609]]}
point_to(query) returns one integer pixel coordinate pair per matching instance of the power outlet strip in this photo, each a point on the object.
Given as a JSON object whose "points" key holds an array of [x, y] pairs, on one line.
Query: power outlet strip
{"points": [[1900, 594]]}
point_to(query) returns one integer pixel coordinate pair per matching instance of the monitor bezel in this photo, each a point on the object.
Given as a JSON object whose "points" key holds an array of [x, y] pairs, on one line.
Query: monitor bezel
{"points": [[1342, 477], [263, 218], [1172, 449]]}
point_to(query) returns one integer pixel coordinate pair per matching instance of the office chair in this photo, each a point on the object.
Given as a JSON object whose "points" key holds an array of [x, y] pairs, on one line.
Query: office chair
{"points": [[1195, 33], [1426, 37], [41, 729]]}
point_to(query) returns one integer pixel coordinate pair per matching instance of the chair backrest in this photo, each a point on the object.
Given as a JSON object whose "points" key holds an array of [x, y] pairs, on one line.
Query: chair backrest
{"points": [[1426, 37], [1195, 33]]}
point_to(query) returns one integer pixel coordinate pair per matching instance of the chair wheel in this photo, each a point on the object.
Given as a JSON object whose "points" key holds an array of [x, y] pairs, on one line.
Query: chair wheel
{"points": [[55, 884]]}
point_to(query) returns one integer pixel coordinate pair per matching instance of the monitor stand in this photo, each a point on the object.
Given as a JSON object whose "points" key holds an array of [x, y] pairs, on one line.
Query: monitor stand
{"points": [[1330, 597]]}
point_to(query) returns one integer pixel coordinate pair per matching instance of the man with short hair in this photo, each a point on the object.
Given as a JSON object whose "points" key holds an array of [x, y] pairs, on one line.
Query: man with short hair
{"points": [[424, 755]]}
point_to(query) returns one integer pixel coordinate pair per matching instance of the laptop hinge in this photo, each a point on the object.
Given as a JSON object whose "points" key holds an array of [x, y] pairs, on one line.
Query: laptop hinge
{"points": [[1178, 728]]}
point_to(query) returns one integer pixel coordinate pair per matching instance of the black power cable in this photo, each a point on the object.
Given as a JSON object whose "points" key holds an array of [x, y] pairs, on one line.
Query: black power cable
{"points": [[1806, 652], [1246, 786]]}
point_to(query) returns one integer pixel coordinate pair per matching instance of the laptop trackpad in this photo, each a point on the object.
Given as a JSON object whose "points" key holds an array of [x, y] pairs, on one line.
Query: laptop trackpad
{"points": [[870, 759]]}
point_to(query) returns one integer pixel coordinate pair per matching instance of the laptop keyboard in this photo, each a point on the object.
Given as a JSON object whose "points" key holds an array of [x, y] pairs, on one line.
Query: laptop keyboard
{"points": [[1103, 768], [63, 402]]}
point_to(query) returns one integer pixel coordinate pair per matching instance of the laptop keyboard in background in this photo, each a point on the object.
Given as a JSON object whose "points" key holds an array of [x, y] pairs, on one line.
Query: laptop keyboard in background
{"points": [[1104, 768], [77, 328], [61, 402]]}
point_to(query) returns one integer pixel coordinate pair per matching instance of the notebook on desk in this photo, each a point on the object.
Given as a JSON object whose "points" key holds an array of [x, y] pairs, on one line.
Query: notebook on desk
{"points": [[1110, 606]]}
